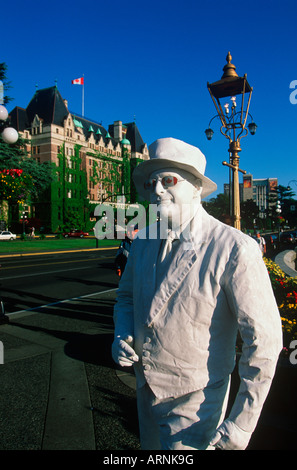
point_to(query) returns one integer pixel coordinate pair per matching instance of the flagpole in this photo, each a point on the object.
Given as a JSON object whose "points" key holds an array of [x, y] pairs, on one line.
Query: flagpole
{"points": [[83, 96]]}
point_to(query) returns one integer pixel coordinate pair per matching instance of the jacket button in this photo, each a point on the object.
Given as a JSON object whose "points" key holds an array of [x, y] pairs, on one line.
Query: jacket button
{"points": [[146, 353], [147, 367]]}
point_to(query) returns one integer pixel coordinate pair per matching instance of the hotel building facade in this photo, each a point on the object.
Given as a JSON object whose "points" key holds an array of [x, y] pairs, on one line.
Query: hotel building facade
{"points": [[92, 164]]}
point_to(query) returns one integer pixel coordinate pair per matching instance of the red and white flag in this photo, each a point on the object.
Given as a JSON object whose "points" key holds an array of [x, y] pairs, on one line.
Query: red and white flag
{"points": [[78, 81]]}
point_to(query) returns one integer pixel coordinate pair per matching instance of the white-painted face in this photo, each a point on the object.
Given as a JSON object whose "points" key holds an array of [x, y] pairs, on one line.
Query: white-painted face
{"points": [[175, 192]]}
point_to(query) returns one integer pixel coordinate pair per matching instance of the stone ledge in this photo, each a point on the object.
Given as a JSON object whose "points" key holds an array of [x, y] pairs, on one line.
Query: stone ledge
{"points": [[286, 261]]}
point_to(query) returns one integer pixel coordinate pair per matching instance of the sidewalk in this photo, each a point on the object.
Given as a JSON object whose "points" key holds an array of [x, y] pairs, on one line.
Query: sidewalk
{"points": [[60, 389]]}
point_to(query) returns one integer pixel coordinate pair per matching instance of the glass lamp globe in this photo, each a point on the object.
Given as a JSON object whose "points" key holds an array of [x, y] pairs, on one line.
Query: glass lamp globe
{"points": [[10, 135], [3, 113], [252, 128], [209, 133]]}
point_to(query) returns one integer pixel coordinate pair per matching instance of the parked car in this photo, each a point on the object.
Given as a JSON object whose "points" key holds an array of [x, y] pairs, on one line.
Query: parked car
{"points": [[75, 233], [287, 238], [5, 235]]}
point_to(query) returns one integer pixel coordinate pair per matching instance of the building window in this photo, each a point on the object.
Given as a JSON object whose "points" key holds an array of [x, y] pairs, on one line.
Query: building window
{"points": [[35, 149]]}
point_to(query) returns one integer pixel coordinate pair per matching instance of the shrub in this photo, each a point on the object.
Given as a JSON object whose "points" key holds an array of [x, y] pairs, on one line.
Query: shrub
{"points": [[285, 291]]}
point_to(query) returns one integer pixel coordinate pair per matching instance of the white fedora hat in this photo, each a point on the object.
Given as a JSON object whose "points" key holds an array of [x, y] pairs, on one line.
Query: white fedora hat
{"points": [[173, 153]]}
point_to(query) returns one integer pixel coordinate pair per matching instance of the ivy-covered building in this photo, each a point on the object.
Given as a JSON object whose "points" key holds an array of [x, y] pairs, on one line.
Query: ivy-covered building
{"points": [[91, 164]]}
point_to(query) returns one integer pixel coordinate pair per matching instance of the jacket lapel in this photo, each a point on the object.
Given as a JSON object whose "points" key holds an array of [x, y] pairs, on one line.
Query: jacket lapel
{"points": [[186, 256], [147, 272]]}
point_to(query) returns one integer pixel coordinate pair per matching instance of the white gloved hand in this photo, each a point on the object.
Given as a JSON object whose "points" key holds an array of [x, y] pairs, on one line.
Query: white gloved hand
{"points": [[122, 351], [229, 436]]}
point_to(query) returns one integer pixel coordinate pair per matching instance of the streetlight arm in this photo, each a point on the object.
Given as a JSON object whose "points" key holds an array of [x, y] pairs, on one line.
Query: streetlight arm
{"points": [[234, 167], [229, 125], [225, 133], [239, 137]]}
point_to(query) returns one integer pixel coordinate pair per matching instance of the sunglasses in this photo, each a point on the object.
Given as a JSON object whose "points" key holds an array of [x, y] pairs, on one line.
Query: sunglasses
{"points": [[166, 181]]}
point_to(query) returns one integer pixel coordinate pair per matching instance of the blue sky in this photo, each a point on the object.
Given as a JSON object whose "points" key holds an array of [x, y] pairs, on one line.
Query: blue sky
{"points": [[151, 61]]}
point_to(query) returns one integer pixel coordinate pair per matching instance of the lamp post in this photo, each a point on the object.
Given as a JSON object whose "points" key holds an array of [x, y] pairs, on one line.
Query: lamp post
{"points": [[9, 134], [233, 123], [24, 221], [278, 210]]}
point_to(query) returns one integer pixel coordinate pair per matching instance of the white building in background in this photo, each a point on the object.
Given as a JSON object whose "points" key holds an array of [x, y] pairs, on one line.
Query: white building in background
{"points": [[261, 191]]}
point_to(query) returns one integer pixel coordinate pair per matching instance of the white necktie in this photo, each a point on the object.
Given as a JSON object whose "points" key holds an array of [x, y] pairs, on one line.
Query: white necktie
{"points": [[168, 246]]}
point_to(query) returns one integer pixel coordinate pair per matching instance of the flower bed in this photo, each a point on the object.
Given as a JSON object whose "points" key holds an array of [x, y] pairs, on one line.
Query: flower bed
{"points": [[285, 291]]}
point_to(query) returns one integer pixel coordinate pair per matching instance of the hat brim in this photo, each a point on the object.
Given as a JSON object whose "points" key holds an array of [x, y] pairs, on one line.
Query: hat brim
{"points": [[144, 169]]}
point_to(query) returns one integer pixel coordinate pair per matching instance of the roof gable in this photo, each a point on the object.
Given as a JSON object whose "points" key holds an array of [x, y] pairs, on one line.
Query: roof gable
{"points": [[18, 119], [133, 135], [49, 105]]}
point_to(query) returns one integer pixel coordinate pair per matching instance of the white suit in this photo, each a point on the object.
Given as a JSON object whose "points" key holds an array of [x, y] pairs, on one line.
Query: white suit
{"points": [[185, 325]]}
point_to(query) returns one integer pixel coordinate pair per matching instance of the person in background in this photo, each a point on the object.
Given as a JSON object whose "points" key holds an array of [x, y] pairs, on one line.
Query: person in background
{"points": [[261, 242], [123, 251]]}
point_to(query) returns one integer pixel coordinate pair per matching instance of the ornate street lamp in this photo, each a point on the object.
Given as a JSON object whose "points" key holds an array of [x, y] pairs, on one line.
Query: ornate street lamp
{"points": [[24, 221], [233, 121]]}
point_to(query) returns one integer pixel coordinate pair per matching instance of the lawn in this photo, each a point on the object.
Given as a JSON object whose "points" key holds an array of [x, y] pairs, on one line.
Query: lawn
{"points": [[52, 244]]}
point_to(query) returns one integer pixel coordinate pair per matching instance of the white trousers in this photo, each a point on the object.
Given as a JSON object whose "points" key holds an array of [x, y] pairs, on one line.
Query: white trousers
{"points": [[183, 423]]}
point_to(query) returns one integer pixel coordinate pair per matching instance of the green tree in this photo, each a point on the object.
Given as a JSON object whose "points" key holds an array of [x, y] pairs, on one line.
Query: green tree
{"points": [[218, 206], [26, 185], [249, 211], [284, 195], [6, 83], [39, 175]]}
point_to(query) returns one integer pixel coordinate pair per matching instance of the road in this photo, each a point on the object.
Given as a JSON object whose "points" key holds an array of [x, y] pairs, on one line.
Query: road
{"points": [[28, 282], [66, 341]]}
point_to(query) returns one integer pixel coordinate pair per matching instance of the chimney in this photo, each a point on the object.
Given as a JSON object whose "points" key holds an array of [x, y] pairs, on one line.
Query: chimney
{"points": [[117, 130]]}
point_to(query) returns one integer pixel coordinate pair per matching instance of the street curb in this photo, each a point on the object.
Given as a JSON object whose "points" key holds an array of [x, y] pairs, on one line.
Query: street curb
{"points": [[15, 255], [68, 396]]}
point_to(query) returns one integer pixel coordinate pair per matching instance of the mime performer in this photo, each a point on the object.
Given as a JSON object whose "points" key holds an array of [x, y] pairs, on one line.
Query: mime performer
{"points": [[180, 304]]}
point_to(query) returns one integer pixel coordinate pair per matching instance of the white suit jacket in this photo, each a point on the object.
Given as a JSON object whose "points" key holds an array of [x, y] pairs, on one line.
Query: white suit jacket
{"points": [[185, 329]]}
